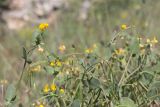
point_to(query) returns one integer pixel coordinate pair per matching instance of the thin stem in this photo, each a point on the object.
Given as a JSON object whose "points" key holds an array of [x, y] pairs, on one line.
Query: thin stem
{"points": [[49, 95], [2, 93], [21, 75], [134, 70], [99, 93], [69, 55], [125, 71]]}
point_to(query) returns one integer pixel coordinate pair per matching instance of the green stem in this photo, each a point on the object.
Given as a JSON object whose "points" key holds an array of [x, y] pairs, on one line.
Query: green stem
{"points": [[99, 93]]}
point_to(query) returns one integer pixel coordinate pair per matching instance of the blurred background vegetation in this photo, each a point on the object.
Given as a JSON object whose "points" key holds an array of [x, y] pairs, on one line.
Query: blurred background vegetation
{"points": [[77, 22]]}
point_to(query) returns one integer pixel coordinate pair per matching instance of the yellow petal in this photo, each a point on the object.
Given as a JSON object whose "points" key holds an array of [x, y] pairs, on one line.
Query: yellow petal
{"points": [[53, 87]]}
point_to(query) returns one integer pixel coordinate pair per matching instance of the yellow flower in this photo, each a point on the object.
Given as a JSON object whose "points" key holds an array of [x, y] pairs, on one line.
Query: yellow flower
{"points": [[62, 48], [46, 88], [61, 90], [89, 51], [154, 40], [123, 26], [141, 46], [120, 51], [52, 64], [3, 82], [139, 38], [36, 68], [148, 41], [67, 72], [58, 63], [43, 26], [41, 105], [53, 87], [34, 104], [38, 104]]}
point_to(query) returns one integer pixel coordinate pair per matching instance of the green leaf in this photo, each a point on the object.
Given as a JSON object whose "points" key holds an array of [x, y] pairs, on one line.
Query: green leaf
{"points": [[134, 46], [148, 72], [10, 93], [155, 84], [38, 40], [61, 102], [108, 53], [153, 90], [36, 37], [94, 83], [147, 76], [76, 103], [127, 102], [49, 69], [24, 54], [79, 93], [29, 61]]}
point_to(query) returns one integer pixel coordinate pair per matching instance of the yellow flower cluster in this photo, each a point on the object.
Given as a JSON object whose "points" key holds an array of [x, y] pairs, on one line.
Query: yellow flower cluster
{"points": [[48, 88], [56, 63], [43, 26], [52, 88], [152, 42]]}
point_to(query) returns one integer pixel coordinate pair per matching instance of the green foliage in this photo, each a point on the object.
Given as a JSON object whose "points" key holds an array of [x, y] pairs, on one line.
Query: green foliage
{"points": [[76, 103], [10, 96], [126, 102], [117, 72], [121, 77]]}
